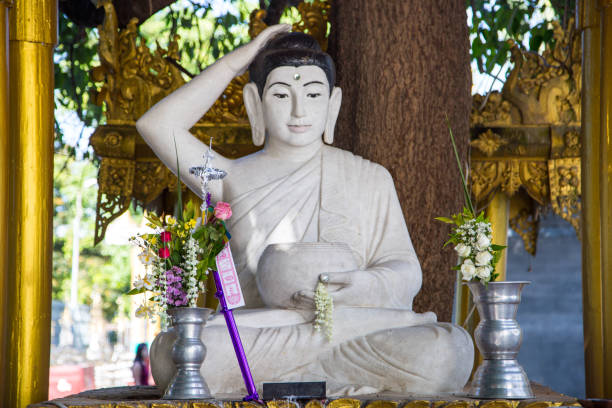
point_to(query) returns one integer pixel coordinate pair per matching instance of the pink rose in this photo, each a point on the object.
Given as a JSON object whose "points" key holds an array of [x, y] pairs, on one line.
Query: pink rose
{"points": [[166, 236], [164, 253], [223, 211]]}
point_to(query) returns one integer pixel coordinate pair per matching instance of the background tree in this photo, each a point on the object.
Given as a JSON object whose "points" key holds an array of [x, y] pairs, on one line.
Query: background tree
{"points": [[402, 69]]}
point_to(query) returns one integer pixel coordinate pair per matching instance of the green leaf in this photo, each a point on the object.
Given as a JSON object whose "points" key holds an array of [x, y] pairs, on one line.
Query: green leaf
{"points": [[189, 212], [136, 291], [445, 220], [179, 193], [496, 247]]}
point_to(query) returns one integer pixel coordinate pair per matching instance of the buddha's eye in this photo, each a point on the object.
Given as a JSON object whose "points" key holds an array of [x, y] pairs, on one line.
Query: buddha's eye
{"points": [[280, 95], [313, 95]]}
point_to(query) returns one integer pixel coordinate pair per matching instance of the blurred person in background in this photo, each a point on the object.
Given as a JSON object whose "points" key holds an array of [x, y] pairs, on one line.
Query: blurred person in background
{"points": [[140, 369]]}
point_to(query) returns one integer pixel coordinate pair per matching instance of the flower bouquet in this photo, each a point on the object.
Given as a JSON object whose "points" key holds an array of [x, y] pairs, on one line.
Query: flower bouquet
{"points": [[180, 252], [178, 256], [471, 235]]}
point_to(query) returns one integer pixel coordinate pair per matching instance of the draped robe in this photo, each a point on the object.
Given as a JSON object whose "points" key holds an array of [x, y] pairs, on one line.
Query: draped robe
{"points": [[382, 345]]}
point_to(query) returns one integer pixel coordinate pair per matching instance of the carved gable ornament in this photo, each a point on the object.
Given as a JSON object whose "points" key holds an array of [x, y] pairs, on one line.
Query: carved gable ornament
{"points": [[526, 138]]}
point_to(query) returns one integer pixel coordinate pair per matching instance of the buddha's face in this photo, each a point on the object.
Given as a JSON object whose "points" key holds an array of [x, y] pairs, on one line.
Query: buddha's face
{"points": [[295, 104]]}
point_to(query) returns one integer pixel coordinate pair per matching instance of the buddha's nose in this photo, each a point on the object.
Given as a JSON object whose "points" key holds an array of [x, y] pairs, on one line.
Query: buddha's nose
{"points": [[298, 108]]}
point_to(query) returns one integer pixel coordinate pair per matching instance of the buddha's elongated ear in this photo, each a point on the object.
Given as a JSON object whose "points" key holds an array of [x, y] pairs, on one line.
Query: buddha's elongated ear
{"points": [[335, 100], [252, 103]]}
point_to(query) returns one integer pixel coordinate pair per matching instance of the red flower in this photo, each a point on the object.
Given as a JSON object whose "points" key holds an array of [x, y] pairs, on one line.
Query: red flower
{"points": [[164, 253], [166, 236]]}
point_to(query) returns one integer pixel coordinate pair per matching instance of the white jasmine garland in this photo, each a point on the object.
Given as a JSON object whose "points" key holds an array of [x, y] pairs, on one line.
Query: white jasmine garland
{"points": [[324, 309], [483, 258], [161, 299], [190, 267]]}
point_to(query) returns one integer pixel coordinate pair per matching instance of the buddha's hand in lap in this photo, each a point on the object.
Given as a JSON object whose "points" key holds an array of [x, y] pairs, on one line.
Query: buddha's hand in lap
{"points": [[352, 288]]}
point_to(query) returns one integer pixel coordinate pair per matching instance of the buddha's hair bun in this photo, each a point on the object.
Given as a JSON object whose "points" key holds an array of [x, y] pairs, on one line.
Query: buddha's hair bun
{"points": [[293, 50]]}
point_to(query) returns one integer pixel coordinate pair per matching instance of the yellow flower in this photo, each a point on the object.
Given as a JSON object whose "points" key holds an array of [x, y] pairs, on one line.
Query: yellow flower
{"points": [[153, 240], [170, 220], [192, 223]]}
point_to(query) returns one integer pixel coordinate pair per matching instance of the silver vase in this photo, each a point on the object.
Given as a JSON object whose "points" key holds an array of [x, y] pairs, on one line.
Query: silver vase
{"points": [[499, 337], [188, 354]]}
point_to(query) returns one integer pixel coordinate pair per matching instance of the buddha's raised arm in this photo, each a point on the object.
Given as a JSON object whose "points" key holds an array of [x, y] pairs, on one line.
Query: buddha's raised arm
{"points": [[171, 118]]}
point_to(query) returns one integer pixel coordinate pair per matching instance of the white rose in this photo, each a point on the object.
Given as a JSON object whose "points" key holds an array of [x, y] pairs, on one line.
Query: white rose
{"points": [[463, 250], [484, 272], [468, 270], [483, 258], [482, 242]]}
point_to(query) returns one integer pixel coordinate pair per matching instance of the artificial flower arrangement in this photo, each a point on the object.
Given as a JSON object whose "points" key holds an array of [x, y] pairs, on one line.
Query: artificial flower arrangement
{"points": [[179, 254], [471, 236]]}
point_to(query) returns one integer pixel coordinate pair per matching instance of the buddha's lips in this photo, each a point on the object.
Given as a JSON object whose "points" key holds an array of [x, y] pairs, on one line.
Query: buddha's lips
{"points": [[298, 128]]}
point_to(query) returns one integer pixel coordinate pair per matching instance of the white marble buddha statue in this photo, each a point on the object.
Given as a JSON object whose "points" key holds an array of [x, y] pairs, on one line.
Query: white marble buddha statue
{"points": [[318, 212]]}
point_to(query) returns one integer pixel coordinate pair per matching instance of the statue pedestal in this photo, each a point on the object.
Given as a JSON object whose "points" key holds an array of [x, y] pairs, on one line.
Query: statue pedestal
{"points": [[149, 397]]}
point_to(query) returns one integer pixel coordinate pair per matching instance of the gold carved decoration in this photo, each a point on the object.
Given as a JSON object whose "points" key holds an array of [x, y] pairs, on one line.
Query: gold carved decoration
{"points": [[132, 78], [565, 189], [344, 403], [382, 404], [526, 138], [488, 142], [282, 404], [339, 403]]}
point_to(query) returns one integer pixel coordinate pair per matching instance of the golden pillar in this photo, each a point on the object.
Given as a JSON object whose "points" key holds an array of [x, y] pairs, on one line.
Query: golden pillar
{"points": [[32, 36], [4, 189], [596, 21], [497, 212], [605, 170]]}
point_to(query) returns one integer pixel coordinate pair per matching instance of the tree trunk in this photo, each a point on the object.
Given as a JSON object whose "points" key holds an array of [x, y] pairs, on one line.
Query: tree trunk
{"points": [[403, 66]]}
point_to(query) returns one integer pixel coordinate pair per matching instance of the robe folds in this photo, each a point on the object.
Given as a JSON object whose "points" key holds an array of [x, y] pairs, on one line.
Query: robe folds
{"points": [[382, 345], [335, 197]]}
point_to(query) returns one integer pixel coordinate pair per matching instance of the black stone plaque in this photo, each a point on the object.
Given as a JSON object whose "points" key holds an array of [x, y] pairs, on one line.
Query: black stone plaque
{"points": [[294, 390]]}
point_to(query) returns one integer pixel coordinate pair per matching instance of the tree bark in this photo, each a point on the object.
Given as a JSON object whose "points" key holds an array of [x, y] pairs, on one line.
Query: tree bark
{"points": [[403, 66]]}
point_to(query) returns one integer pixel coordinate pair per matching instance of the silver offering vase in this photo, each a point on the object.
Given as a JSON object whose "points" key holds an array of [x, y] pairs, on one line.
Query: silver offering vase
{"points": [[499, 337], [188, 354]]}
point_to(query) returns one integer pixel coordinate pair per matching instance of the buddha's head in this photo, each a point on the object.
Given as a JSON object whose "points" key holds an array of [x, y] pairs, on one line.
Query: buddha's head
{"points": [[291, 96]]}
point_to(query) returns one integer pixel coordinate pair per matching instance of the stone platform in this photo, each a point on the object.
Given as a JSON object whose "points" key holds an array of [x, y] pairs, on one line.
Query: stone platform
{"points": [[149, 397]]}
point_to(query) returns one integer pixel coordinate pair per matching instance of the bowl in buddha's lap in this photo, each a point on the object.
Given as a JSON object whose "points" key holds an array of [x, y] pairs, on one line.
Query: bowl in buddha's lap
{"points": [[285, 269]]}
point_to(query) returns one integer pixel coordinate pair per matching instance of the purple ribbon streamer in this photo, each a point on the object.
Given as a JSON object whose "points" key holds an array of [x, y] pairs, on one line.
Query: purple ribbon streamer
{"points": [[235, 336]]}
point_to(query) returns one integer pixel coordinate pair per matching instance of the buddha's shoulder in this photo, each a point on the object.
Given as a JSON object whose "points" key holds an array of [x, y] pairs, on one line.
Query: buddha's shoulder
{"points": [[357, 164]]}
